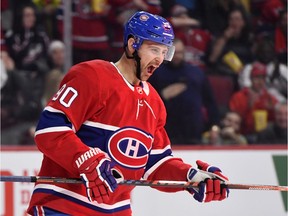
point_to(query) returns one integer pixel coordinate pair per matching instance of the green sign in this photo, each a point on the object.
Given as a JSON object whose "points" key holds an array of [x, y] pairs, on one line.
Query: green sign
{"points": [[280, 163]]}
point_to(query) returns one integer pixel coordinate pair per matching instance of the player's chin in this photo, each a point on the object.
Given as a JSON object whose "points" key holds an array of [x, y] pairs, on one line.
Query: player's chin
{"points": [[146, 75]]}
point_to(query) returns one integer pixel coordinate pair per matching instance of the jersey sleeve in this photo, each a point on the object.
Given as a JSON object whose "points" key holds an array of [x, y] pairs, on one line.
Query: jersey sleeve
{"points": [[162, 165], [74, 103]]}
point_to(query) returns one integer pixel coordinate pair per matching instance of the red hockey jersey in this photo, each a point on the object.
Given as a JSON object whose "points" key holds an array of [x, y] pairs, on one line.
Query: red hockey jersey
{"points": [[97, 107]]}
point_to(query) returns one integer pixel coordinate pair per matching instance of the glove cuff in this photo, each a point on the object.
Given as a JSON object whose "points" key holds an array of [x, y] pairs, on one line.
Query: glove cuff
{"points": [[89, 157], [191, 173], [194, 175]]}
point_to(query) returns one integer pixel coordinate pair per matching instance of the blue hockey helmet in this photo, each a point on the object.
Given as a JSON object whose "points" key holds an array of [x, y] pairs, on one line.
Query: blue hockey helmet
{"points": [[146, 26]]}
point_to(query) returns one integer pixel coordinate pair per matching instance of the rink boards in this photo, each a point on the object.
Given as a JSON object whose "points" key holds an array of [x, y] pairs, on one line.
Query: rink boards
{"points": [[248, 165]]}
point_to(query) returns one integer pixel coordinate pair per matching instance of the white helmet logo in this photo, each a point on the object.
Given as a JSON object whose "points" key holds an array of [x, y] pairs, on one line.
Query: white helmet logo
{"points": [[166, 26], [144, 17]]}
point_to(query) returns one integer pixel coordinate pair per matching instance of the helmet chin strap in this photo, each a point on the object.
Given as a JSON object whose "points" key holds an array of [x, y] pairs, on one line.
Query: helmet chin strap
{"points": [[136, 57], [138, 69]]}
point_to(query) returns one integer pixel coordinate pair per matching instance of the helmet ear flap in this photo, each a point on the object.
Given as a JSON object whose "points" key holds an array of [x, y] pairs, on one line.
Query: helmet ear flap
{"points": [[135, 44]]}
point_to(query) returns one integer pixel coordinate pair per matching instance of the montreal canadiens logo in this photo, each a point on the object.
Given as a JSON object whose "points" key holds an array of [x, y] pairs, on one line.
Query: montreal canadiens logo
{"points": [[130, 147]]}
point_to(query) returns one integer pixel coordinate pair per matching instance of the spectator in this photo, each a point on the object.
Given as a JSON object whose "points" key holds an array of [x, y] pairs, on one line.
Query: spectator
{"points": [[276, 78], [120, 12], [254, 104], [56, 55], [232, 49], [271, 8], [6, 15], [2, 41], [193, 7], [228, 133], [3, 71], [47, 13], [216, 14], [280, 37], [195, 39], [275, 133], [181, 19], [267, 14], [27, 43], [90, 30], [166, 6], [18, 109], [21, 94], [27, 46], [14, 92], [56, 63], [188, 98]]}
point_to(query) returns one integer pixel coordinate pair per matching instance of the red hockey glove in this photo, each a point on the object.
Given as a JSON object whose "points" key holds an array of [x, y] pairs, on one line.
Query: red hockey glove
{"points": [[95, 172], [211, 183]]}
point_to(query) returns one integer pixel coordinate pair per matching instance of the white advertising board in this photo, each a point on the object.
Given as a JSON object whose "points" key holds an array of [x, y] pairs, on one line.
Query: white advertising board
{"points": [[250, 167], [242, 166]]}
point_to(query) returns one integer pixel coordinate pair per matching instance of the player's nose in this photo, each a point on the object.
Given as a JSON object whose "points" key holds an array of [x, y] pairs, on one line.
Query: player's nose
{"points": [[159, 60]]}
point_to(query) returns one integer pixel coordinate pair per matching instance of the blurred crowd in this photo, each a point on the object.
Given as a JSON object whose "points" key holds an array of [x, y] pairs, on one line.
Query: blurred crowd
{"points": [[226, 85]]}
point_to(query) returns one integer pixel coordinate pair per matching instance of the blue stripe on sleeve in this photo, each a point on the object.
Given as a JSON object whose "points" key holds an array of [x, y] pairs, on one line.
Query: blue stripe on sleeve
{"points": [[153, 159], [50, 119], [94, 137]]}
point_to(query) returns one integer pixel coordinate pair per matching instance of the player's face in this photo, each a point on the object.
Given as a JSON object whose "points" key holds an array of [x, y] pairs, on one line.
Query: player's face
{"points": [[152, 55]]}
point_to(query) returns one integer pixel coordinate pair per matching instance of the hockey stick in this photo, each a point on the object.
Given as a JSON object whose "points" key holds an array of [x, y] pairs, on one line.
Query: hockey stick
{"points": [[156, 183]]}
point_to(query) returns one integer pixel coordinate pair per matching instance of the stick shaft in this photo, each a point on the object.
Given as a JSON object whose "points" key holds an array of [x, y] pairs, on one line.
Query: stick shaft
{"points": [[157, 183]]}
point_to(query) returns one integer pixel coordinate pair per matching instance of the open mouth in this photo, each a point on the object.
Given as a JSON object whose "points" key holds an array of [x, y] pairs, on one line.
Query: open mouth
{"points": [[150, 69]]}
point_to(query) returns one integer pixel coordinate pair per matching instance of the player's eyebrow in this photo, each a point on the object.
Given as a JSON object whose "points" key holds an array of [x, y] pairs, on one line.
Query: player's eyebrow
{"points": [[150, 43], [154, 46]]}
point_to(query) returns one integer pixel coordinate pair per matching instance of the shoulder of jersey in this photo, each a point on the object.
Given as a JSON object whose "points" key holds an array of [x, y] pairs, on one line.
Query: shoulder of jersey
{"points": [[90, 69]]}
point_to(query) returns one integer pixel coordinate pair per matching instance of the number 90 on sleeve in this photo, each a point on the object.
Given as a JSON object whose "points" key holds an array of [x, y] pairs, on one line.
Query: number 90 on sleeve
{"points": [[68, 95]]}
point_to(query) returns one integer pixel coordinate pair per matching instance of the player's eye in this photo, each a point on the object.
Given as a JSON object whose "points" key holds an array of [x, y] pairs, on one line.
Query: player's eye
{"points": [[155, 50]]}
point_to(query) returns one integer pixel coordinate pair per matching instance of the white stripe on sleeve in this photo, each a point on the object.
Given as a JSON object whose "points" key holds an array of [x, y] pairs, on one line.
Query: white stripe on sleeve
{"points": [[53, 129], [153, 168]]}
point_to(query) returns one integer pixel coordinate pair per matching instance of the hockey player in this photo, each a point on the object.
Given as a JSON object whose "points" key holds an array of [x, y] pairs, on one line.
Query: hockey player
{"points": [[107, 122]]}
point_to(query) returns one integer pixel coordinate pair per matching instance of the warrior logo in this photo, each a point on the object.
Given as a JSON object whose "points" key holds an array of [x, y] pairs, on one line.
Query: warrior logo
{"points": [[130, 147]]}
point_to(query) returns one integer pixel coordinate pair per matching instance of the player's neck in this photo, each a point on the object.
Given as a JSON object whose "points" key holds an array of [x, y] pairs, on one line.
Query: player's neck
{"points": [[127, 68]]}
